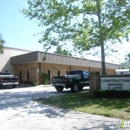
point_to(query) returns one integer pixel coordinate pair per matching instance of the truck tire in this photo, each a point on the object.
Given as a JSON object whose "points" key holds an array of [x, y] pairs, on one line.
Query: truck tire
{"points": [[75, 87], [1, 86], [13, 86], [81, 88], [59, 88]]}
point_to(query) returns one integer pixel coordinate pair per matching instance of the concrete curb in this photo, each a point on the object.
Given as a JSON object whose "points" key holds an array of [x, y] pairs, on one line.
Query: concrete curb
{"points": [[42, 85], [28, 85]]}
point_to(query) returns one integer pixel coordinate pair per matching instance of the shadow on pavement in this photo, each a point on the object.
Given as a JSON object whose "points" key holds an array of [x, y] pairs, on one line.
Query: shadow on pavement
{"points": [[22, 105]]}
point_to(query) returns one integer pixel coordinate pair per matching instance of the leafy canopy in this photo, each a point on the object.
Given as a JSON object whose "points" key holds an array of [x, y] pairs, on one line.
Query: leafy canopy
{"points": [[77, 21], [59, 50], [84, 23], [126, 64]]}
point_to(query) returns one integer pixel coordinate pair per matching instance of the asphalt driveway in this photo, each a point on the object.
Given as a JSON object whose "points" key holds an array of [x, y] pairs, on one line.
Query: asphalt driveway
{"points": [[19, 112]]}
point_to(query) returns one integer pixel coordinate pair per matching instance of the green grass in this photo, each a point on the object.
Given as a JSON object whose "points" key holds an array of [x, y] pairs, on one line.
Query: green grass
{"points": [[118, 108]]}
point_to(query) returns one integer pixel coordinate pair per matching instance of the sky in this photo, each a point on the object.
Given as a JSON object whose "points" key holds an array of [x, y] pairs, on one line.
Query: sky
{"points": [[18, 31]]}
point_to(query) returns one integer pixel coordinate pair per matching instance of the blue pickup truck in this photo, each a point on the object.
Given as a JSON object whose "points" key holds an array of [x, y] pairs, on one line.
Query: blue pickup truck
{"points": [[75, 79]]}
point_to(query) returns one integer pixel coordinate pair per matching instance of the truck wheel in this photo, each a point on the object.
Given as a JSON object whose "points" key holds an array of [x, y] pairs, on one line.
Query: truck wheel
{"points": [[14, 86], [80, 88], [75, 87], [1, 86], [59, 89]]}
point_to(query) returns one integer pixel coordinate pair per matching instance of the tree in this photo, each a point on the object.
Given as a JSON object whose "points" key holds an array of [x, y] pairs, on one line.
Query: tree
{"points": [[126, 64], [1, 45], [60, 51], [85, 23]]}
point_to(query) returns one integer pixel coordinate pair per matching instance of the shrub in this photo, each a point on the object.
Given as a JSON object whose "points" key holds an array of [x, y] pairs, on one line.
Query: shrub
{"points": [[35, 83], [98, 93], [112, 93], [125, 93], [46, 81], [45, 78]]}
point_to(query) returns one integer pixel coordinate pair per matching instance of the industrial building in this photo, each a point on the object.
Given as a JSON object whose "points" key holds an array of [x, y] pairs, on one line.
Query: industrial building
{"points": [[30, 65]]}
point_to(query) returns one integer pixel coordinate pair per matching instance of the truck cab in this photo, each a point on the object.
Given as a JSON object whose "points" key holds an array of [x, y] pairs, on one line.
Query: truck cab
{"points": [[76, 80]]}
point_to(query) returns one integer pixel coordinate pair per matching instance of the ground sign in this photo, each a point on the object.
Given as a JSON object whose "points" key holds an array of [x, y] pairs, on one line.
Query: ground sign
{"points": [[115, 83]]}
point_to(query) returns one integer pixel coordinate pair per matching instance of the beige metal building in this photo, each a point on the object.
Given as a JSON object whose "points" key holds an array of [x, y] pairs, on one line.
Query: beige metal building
{"points": [[30, 66], [5, 58]]}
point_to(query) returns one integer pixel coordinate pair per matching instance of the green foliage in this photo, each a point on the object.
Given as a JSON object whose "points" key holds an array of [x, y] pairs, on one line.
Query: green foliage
{"points": [[112, 93], [98, 93], [46, 81], [35, 83], [63, 52], [1, 45], [126, 64], [86, 24], [45, 78]]}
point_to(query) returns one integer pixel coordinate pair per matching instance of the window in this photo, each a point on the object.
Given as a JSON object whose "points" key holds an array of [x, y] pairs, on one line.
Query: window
{"points": [[85, 74], [4, 73], [49, 75], [20, 76], [27, 75], [75, 72], [58, 73]]}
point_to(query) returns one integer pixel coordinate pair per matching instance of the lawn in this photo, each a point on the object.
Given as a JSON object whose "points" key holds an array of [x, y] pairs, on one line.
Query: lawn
{"points": [[118, 108]]}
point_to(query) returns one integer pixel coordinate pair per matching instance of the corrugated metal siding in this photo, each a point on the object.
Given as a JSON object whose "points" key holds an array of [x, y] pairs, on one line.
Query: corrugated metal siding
{"points": [[25, 58], [59, 59]]}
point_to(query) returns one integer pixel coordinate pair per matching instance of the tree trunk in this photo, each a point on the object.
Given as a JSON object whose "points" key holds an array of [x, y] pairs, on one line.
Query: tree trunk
{"points": [[103, 59], [101, 38]]}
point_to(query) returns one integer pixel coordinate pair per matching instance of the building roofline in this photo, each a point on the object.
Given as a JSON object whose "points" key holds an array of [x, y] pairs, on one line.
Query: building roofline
{"points": [[17, 49], [31, 51], [39, 56], [75, 57]]}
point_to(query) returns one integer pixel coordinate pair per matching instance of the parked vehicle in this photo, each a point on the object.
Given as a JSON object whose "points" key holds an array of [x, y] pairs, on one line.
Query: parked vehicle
{"points": [[6, 79], [122, 71], [76, 80]]}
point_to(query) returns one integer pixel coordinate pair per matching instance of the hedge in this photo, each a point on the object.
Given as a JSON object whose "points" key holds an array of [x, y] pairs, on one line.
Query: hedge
{"points": [[112, 93]]}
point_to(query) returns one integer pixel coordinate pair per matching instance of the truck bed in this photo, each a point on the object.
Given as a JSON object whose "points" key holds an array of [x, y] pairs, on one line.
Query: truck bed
{"points": [[58, 79]]}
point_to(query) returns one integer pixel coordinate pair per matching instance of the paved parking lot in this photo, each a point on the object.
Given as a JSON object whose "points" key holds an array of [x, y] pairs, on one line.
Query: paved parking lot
{"points": [[19, 112]]}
